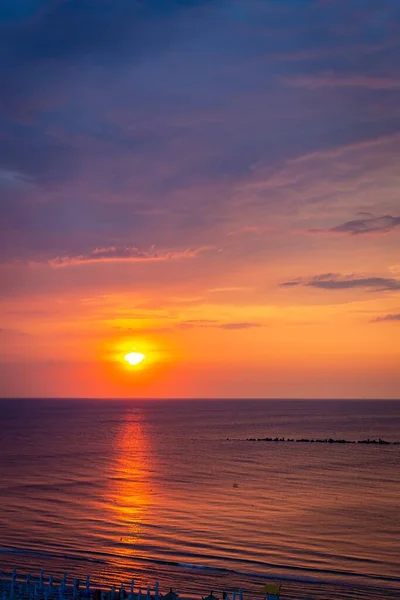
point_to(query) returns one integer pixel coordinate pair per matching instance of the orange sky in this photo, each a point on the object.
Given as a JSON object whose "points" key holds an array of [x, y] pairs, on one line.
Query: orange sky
{"points": [[223, 200]]}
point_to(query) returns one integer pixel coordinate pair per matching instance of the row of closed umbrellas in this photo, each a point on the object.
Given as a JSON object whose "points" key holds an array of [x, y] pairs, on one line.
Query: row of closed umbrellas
{"points": [[28, 588]]}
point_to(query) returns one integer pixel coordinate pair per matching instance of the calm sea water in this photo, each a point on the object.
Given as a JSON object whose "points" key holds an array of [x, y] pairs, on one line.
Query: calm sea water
{"points": [[172, 491]]}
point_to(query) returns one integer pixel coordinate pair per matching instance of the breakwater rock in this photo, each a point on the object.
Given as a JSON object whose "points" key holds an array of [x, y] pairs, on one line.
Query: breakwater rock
{"points": [[377, 442]]}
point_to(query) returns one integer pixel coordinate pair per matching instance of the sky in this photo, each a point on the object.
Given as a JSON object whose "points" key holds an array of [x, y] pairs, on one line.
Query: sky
{"points": [[211, 183]]}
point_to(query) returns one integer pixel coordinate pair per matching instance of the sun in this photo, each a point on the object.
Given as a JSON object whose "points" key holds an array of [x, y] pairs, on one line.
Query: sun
{"points": [[134, 358]]}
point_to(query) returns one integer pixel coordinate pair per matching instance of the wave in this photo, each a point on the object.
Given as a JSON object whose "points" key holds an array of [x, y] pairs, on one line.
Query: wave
{"points": [[203, 567], [47, 554], [318, 578], [271, 570]]}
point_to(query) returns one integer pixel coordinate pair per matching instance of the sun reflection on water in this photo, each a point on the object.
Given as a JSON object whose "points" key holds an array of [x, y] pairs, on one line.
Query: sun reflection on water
{"points": [[130, 495]]}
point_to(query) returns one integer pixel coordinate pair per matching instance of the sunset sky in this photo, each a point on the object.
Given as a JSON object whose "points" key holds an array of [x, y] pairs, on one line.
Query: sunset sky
{"points": [[212, 183]]}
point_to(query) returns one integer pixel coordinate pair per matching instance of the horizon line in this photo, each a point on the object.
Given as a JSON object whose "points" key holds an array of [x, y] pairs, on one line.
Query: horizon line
{"points": [[205, 398]]}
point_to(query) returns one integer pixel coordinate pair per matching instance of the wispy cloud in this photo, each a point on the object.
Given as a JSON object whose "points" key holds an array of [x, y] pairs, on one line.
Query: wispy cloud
{"points": [[126, 254], [195, 324], [218, 324], [349, 81], [10, 331], [229, 288], [364, 225], [385, 318], [198, 323], [13, 180], [333, 281], [251, 229], [368, 225], [244, 325]]}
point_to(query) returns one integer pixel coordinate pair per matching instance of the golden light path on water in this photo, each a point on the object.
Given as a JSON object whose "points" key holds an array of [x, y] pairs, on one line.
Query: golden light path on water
{"points": [[130, 492]]}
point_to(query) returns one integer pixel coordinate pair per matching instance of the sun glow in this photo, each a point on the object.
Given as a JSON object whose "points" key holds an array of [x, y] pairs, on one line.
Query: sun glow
{"points": [[134, 358], [138, 356]]}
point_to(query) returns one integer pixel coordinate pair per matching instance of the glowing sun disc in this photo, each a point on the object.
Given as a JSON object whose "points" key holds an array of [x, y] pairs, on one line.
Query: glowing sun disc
{"points": [[134, 358]]}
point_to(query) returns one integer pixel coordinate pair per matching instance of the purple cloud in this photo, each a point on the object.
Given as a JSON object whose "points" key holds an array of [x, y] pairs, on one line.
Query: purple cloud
{"points": [[385, 318], [350, 81], [368, 225], [245, 325], [125, 253], [331, 281]]}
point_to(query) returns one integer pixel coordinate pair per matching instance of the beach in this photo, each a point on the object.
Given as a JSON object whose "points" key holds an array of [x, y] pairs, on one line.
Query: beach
{"points": [[194, 588]]}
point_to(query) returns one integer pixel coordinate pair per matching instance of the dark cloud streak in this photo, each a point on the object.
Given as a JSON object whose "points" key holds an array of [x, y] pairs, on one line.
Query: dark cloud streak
{"points": [[382, 224], [244, 325], [387, 318], [126, 253], [334, 282]]}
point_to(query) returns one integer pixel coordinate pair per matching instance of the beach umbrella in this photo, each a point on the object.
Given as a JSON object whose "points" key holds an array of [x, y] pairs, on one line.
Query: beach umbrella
{"points": [[272, 591], [210, 597], [13, 576], [171, 595]]}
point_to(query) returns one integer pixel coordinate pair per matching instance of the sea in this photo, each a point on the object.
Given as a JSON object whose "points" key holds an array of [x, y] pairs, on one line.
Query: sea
{"points": [[175, 491]]}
